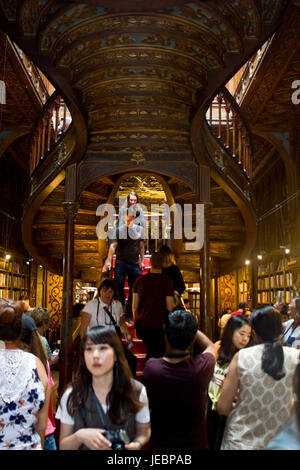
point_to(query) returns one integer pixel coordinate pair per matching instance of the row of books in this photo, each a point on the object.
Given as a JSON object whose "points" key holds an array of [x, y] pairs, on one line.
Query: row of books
{"points": [[5, 279], [13, 266], [278, 280], [269, 297], [10, 293]]}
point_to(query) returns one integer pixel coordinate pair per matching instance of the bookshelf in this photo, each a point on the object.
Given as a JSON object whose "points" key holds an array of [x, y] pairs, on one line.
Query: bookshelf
{"points": [[243, 281], [274, 282], [14, 276]]}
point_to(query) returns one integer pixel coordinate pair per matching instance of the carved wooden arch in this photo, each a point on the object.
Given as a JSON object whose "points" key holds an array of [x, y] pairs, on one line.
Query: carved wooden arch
{"points": [[102, 244], [10, 135], [88, 172], [27, 223]]}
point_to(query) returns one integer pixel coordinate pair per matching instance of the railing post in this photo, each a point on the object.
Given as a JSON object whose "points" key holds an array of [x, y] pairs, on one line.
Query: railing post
{"points": [[219, 100], [57, 108], [233, 133], [227, 109]]}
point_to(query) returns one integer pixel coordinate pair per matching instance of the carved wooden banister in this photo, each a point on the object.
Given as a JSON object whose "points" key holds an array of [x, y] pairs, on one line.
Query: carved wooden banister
{"points": [[226, 122], [41, 85], [52, 124]]}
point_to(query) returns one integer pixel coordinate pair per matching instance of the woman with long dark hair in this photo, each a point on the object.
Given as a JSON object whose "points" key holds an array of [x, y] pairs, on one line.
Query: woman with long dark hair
{"points": [[236, 336], [261, 378], [104, 402]]}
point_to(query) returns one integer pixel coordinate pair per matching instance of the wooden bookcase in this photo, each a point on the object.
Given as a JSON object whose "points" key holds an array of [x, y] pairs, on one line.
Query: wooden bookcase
{"points": [[243, 284], [14, 275], [274, 282]]}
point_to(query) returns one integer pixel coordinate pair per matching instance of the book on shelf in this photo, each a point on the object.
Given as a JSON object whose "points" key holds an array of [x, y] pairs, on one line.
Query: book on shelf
{"points": [[243, 286]]}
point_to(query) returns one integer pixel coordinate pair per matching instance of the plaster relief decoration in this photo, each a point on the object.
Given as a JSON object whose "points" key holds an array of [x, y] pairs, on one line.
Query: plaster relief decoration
{"points": [[227, 292], [54, 299]]}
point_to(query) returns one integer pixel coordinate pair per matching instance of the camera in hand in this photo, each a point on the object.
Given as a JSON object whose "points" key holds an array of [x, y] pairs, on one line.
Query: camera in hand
{"points": [[117, 437]]}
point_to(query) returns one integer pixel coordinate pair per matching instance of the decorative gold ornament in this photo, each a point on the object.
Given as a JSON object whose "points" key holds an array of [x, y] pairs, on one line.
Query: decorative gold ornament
{"points": [[138, 157]]}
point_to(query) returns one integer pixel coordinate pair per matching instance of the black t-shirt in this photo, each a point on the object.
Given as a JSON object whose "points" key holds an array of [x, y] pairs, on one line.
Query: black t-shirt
{"points": [[128, 248]]}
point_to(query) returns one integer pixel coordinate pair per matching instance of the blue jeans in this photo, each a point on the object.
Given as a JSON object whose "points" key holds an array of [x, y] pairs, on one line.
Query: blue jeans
{"points": [[132, 271]]}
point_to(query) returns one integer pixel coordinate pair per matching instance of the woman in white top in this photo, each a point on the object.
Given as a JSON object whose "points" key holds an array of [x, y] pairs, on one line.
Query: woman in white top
{"points": [[100, 310], [24, 388], [291, 334], [259, 381], [103, 398]]}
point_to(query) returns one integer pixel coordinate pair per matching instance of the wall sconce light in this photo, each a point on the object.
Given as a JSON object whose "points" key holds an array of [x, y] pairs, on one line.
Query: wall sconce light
{"points": [[287, 250], [7, 256], [247, 261], [259, 256]]}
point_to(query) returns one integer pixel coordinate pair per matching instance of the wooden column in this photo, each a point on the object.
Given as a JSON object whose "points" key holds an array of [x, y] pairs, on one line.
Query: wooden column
{"points": [[205, 285], [70, 209]]}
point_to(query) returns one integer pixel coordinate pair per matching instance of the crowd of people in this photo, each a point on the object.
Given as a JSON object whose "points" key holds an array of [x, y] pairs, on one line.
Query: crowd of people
{"points": [[239, 393]]}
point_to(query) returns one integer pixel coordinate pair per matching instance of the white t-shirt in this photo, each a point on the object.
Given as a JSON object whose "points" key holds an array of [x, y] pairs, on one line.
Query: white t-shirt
{"points": [[291, 337], [143, 416], [115, 309]]}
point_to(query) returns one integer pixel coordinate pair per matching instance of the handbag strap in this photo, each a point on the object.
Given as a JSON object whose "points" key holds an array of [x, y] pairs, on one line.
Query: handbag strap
{"points": [[110, 316], [113, 321], [106, 310]]}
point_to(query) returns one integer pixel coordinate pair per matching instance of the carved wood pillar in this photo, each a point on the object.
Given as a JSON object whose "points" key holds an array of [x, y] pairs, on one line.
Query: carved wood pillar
{"points": [[70, 210], [205, 278]]}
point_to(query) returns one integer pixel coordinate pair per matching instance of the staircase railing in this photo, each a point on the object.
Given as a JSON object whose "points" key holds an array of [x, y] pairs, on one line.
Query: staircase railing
{"points": [[51, 126], [42, 86], [250, 70], [226, 122]]}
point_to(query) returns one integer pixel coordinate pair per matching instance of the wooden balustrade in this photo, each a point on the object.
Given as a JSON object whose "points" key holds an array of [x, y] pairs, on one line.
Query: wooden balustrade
{"points": [[227, 124], [52, 124], [41, 84]]}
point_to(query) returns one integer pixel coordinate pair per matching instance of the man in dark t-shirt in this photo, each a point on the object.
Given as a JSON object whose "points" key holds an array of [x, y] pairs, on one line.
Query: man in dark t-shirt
{"points": [[152, 299], [177, 387], [129, 248]]}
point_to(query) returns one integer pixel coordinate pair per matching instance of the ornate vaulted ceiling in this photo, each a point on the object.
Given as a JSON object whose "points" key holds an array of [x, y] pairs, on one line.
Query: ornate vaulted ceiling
{"points": [[141, 71]]}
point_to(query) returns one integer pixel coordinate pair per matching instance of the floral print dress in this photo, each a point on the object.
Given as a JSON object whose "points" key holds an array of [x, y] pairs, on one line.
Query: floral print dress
{"points": [[22, 395]]}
